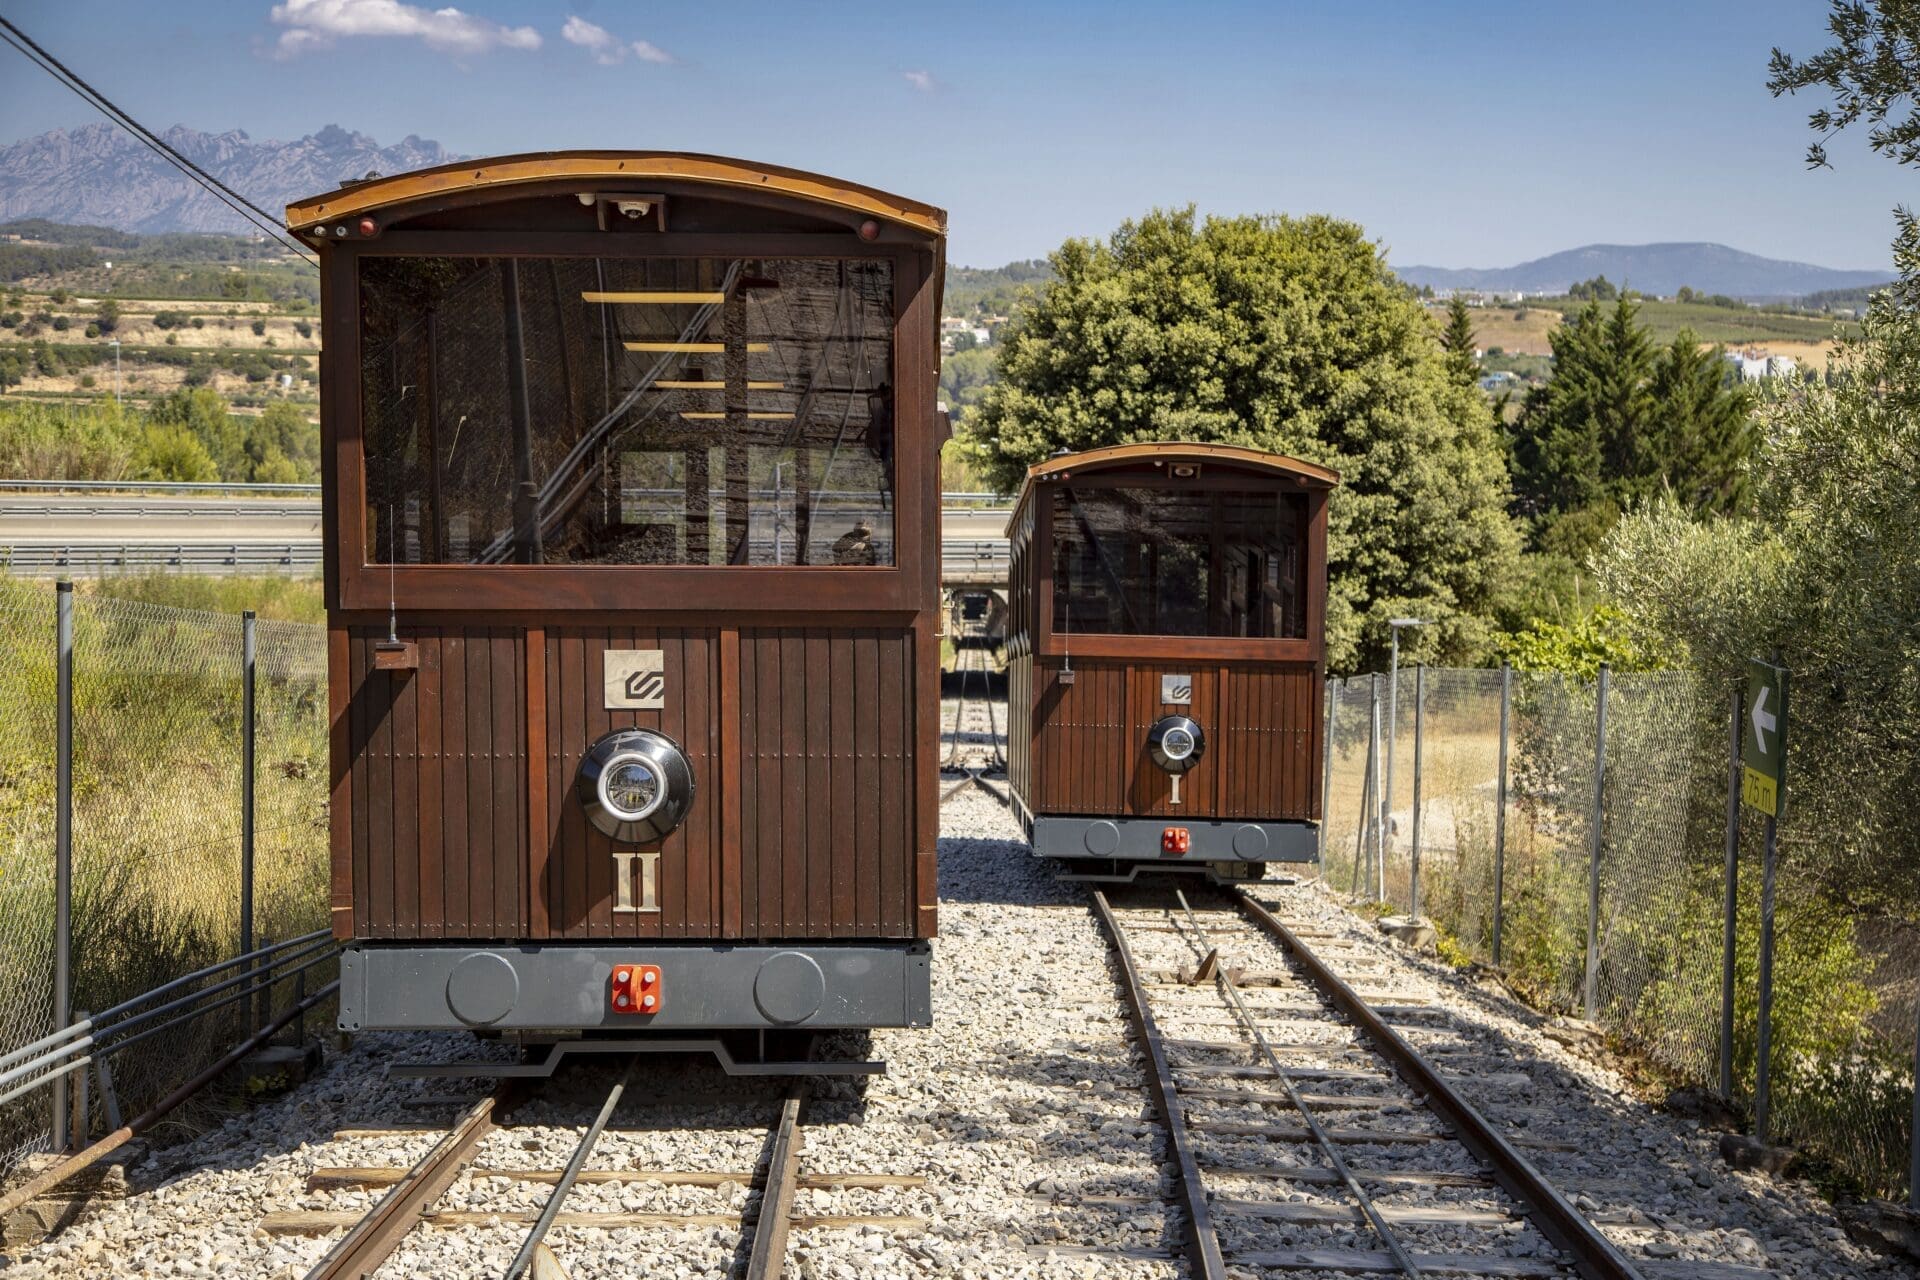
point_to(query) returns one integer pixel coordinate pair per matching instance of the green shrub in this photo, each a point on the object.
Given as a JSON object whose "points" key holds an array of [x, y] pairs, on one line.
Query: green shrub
{"points": [[40, 441]]}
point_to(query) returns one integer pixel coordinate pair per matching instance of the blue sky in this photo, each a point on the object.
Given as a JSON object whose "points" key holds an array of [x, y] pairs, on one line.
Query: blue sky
{"points": [[1458, 134]]}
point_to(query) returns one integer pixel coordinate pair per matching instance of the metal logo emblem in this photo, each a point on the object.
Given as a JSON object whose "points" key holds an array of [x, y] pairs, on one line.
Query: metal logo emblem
{"points": [[635, 679], [1176, 691]]}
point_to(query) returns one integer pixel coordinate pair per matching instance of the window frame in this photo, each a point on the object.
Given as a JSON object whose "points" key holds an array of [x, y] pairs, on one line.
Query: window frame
{"points": [[357, 582], [1048, 643]]}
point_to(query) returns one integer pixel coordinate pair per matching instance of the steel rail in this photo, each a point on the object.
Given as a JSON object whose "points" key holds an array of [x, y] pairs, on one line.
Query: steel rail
{"points": [[1203, 1242], [569, 1175], [1401, 1257], [767, 1256], [374, 1238], [1592, 1255]]}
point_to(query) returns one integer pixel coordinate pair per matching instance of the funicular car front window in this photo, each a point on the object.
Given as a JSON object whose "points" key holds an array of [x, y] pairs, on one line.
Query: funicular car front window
{"points": [[656, 411], [1199, 562]]}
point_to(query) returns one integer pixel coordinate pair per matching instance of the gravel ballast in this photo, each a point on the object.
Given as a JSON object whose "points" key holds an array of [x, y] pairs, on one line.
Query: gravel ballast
{"points": [[1023, 1110]]}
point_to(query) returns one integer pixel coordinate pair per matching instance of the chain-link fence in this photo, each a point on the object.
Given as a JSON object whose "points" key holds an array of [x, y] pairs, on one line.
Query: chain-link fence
{"points": [[1522, 889], [157, 731]]}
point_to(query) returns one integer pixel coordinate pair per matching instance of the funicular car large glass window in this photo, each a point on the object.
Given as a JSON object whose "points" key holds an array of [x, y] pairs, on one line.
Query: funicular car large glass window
{"points": [[707, 411], [1157, 562]]}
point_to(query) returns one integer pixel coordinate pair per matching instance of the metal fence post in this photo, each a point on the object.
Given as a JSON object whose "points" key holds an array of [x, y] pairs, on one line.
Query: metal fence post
{"points": [[1500, 811], [1326, 769], [247, 649], [1369, 781], [1594, 841], [62, 845], [1379, 826], [1729, 931], [1419, 740], [1763, 1068]]}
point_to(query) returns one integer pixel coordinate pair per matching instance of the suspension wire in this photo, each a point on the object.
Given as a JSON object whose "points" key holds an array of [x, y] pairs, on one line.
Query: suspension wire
{"points": [[248, 210], [1372, 1212]]}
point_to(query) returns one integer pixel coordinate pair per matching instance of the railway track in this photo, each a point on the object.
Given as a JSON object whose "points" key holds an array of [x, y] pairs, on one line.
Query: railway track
{"points": [[1372, 1145], [409, 1197], [976, 745]]}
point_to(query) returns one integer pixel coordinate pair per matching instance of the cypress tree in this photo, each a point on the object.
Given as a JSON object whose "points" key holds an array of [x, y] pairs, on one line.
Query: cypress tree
{"points": [[1620, 422], [1457, 341]]}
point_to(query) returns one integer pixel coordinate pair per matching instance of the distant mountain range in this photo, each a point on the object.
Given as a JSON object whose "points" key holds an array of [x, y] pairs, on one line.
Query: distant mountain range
{"points": [[99, 174], [1654, 269]]}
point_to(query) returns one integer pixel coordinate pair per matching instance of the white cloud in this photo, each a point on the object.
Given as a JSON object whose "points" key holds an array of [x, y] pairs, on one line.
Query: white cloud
{"points": [[606, 49], [921, 80], [316, 24], [594, 39]]}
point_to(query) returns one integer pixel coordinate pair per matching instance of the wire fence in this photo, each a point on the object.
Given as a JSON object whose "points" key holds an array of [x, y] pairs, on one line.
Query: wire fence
{"points": [[158, 726], [1530, 872]]}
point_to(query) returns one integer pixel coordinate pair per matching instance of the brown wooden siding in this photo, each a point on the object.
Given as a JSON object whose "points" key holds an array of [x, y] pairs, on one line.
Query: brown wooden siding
{"points": [[808, 818], [436, 783], [1086, 752]]}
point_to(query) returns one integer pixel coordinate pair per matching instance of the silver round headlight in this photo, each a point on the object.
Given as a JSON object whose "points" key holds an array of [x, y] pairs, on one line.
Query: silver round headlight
{"points": [[635, 785], [630, 787], [1176, 743]]}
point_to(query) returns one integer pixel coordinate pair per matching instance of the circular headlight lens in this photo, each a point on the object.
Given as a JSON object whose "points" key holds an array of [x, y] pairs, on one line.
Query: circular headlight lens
{"points": [[1177, 743], [631, 788]]}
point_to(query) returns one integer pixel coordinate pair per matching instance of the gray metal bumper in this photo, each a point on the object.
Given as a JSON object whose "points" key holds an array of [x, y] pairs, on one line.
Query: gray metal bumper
{"points": [[567, 987], [1138, 839]]}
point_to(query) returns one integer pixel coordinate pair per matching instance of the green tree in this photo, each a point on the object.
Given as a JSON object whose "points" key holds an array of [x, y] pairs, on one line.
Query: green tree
{"points": [[282, 431], [203, 413], [1598, 289], [1869, 70], [1287, 334], [1619, 422], [171, 451], [1577, 435], [1457, 341], [1705, 438], [107, 315]]}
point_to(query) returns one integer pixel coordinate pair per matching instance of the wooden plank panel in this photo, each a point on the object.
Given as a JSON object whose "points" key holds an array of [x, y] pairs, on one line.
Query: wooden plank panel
{"points": [[380, 855], [895, 910], [734, 818], [432, 889], [456, 850], [586, 852], [864, 809], [340, 806], [819, 749], [483, 853], [404, 764], [695, 723], [793, 784], [842, 831], [360, 732], [567, 732], [537, 689], [765, 784]]}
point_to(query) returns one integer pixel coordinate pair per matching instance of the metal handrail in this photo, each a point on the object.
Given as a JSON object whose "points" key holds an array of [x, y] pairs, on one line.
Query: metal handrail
{"points": [[53, 1054]]}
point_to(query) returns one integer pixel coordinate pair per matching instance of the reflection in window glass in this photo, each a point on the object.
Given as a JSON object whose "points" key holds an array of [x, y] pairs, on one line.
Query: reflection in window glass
{"points": [[1154, 562], [628, 411]]}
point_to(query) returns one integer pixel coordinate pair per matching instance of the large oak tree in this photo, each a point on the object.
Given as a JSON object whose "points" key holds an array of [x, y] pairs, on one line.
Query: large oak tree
{"points": [[1279, 333]]}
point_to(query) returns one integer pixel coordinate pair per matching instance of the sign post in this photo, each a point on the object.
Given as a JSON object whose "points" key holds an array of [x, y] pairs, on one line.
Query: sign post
{"points": [[1763, 786]]}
